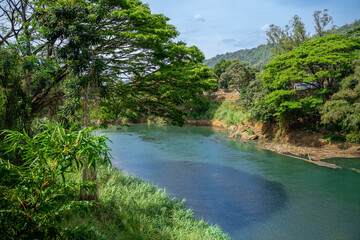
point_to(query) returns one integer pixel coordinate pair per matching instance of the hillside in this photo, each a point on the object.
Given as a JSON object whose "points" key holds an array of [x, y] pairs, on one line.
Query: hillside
{"points": [[255, 57], [349, 28], [258, 57]]}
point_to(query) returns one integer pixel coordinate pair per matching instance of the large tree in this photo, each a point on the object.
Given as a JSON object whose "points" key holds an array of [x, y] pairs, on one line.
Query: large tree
{"points": [[343, 109], [284, 40], [56, 49], [301, 80], [111, 41], [219, 69], [237, 76], [294, 34]]}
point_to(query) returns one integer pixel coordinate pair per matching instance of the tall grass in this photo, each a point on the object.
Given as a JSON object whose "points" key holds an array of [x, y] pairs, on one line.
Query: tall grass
{"points": [[133, 209], [231, 113]]}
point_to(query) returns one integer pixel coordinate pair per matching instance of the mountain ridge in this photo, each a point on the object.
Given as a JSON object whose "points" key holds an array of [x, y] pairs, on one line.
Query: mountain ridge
{"points": [[261, 55]]}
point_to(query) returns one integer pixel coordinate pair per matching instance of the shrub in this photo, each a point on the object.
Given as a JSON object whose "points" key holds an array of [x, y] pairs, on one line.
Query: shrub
{"points": [[35, 195]]}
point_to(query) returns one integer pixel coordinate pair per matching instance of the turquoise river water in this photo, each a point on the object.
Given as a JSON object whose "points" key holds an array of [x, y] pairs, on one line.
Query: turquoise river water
{"points": [[250, 193]]}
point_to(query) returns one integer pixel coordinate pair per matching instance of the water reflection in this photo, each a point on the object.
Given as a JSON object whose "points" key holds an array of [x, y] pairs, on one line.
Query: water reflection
{"points": [[221, 195]]}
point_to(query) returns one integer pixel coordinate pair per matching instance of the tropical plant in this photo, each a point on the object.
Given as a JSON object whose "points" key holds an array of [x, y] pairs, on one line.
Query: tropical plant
{"points": [[35, 194]]}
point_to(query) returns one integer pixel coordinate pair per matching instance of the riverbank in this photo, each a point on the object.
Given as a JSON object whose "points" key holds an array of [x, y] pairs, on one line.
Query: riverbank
{"points": [[303, 144], [131, 208], [250, 193]]}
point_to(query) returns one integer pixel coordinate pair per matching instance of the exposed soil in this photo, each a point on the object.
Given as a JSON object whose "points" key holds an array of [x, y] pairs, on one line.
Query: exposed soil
{"points": [[298, 143], [224, 95]]}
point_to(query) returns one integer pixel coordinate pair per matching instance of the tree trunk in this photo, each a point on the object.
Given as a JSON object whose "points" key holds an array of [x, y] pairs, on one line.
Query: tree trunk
{"points": [[92, 175]]}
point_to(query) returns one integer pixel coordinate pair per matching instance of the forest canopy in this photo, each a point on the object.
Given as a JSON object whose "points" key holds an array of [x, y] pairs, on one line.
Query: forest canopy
{"points": [[92, 44]]}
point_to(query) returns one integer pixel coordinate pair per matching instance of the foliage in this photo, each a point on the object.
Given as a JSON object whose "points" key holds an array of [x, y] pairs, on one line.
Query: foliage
{"points": [[104, 43], [294, 34], [317, 66], [260, 56], [343, 109], [68, 113], [320, 63], [287, 39], [231, 112], [349, 30], [237, 76], [161, 94], [256, 57], [12, 101], [36, 194], [204, 111], [221, 67], [321, 22], [254, 92]]}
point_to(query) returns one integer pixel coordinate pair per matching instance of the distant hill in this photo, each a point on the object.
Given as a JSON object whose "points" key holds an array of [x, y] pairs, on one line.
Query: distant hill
{"points": [[258, 57], [349, 29], [255, 57]]}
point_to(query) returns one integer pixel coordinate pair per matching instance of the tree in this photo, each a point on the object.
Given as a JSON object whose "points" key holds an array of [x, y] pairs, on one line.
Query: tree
{"points": [[88, 42], [12, 101], [289, 38], [86, 39], [343, 109], [219, 69], [322, 21], [294, 34], [237, 75], [161, 94], [317, 67]]}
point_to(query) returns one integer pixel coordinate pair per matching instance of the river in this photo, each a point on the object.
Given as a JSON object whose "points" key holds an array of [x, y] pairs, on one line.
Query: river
{"points": [[250, 193]]}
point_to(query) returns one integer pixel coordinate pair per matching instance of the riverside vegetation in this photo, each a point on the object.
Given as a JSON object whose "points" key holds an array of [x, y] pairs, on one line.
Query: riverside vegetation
{"points": [[66, 62], [311, 84], [40, 198]]}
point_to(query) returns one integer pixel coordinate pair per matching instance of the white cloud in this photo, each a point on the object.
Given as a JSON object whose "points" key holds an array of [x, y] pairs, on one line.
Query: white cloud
{"points": [[265, 28], [197, 18]]}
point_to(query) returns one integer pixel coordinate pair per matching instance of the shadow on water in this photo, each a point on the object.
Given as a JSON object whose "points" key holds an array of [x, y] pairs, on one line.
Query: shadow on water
{"points": [[221, 195]]}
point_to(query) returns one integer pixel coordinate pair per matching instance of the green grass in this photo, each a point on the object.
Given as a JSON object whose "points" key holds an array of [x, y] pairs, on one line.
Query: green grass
{"points": [[134, 209], [231, 113]]}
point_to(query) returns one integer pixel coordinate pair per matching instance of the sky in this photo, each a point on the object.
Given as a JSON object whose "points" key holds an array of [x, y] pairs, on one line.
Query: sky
{"points": [[220, 26]]}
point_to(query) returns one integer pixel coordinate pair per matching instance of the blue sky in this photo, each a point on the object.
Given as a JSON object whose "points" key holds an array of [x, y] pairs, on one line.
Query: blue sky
{"points": [[220, 26]]}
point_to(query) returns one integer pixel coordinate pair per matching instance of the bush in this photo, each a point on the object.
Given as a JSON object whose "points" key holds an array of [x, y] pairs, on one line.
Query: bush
{"points": [[353, 137], [35, 194]]}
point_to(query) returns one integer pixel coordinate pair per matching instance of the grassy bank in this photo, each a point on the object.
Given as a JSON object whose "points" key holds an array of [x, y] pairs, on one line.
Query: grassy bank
{"points": [[133, 209], [228, 111]]}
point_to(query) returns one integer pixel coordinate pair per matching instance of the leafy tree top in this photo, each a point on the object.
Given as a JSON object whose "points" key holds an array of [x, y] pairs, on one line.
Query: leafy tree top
{"points": [[320, 62], [237, 75], [107, 41]]}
